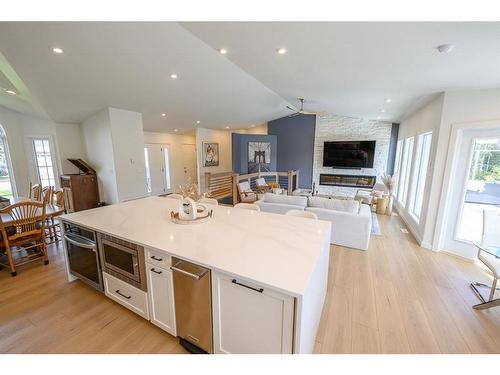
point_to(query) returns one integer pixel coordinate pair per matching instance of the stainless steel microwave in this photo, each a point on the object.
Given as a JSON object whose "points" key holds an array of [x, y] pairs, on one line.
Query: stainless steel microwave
{"points": [[124, 260]]}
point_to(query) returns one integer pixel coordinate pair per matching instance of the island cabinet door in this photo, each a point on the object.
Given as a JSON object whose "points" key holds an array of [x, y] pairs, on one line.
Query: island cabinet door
{"points": [[161, 298], [249, 318]]}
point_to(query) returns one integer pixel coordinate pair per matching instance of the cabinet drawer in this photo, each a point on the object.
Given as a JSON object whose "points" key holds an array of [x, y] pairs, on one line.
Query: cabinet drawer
{"points": [[125, 294], [158, 258]]}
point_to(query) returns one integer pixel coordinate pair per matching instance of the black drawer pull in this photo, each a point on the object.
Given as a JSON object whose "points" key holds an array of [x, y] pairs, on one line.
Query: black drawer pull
{"points": [[260, 290], [157, 272], [121, 294], [155, 258]]}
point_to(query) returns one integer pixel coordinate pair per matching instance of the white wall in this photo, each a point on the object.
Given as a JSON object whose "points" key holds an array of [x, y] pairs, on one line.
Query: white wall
{"points": [[260, 129], [448, 111], [71, 145], [176, 152], [98, 143], [338, 128], [115, 148], [223, 138], [460, 109], [424, 120], [66, 140], [128, 153]]}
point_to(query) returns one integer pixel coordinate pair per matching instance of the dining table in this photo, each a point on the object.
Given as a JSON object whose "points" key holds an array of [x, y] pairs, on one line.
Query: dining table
{"points": [[51, 210]]}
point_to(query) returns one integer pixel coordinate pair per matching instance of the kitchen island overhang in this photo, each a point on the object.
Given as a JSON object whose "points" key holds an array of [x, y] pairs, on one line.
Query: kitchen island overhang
{"points": [[287, 254]]}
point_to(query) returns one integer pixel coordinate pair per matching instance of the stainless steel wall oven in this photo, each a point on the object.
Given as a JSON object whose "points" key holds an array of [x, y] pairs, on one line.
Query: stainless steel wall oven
{"points": [[83, 255]]}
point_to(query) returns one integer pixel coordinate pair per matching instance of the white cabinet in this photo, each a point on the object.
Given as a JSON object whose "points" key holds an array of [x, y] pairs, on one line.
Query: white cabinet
{"points": [[250, 318], [161, 297]]}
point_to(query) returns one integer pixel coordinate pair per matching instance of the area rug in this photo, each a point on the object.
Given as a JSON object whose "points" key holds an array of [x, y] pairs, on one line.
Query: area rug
{"points": [[375, 226]]}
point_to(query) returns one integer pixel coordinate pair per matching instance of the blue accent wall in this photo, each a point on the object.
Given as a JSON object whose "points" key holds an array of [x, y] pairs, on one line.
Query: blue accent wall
{"points": [[296, 145], [240, 150], [391, 158]]}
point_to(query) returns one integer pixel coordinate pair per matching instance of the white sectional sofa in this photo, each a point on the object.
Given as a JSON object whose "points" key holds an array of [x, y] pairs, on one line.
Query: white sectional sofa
{"points": [[281, 204], [351, 221]]}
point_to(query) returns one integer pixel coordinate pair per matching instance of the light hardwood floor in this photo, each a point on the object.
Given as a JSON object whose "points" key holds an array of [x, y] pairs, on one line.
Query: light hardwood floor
{"points": [[394, 298]]}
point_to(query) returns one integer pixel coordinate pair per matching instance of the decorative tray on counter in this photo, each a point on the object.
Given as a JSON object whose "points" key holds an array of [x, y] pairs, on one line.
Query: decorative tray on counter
{"points": [[207, 215]]}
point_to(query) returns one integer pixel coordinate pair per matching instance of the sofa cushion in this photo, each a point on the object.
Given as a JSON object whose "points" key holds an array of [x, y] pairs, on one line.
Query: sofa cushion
{"points": [[285, 199], [345, 205], [261, 182]]}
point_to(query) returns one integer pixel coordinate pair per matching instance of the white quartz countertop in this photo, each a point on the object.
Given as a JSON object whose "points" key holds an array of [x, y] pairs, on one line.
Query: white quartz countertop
{"points": [[277, 251]]}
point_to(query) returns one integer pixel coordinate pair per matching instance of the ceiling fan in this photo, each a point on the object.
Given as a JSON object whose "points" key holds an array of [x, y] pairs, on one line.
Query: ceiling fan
{"points": [[301, 110]]}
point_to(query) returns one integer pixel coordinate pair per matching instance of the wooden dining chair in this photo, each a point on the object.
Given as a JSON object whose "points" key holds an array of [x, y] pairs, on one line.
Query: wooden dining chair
{"points": [[35, 192], [53, 223], [47, 194], [23, 232]]}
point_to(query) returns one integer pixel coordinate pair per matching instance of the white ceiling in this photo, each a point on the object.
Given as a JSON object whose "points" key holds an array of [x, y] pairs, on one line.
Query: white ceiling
{"points": [[343, 68], [128, 66], [349, 68]]}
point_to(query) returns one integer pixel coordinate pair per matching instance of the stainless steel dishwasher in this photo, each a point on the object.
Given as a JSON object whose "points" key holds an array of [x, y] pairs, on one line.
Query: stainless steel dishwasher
{"points": [[193, 306]]}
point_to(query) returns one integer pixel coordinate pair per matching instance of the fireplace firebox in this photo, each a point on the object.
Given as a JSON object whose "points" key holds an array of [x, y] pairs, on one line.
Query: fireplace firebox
{"points": [[347, 180]]}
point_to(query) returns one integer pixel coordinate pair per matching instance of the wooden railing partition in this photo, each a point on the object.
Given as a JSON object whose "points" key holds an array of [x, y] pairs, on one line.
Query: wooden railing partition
{"points": [[219, 185], [224, 185]]}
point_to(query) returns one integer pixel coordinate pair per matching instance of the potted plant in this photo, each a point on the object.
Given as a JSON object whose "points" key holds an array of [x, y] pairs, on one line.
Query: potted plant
{"points": [[390, 183]]}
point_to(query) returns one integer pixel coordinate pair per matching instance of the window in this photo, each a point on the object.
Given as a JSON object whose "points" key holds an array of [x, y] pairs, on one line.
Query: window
{"points": [[6, 182], [148, 170], [166, 156], [44, 165], [421, 163], [397, 164], [405, 170]]}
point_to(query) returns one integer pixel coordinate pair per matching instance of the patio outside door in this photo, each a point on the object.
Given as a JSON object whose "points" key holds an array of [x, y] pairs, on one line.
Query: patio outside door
{"points": [[475, 188]]}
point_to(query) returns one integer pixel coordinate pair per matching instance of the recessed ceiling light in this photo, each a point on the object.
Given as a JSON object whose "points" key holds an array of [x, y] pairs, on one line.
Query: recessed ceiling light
{"points": [[173, 76], [388, 100], [176, 130], [281, 51], [198, 121], [57, 50], [223, 51], [163, 114], [227, 127], [378, 117], [382, 110], [445, 48], [11, 92]]}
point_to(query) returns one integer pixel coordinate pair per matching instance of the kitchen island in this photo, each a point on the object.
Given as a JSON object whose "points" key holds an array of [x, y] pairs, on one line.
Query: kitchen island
{"points": [[268, 272]]}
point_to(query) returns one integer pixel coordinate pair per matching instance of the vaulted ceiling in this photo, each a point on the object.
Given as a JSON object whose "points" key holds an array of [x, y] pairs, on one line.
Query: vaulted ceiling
{"points": [[346, 68]]}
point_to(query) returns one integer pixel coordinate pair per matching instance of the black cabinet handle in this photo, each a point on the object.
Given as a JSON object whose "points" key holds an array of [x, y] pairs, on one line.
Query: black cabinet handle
{"points": [[157, 272], [234, 281], [155, 258], [121, 294]]}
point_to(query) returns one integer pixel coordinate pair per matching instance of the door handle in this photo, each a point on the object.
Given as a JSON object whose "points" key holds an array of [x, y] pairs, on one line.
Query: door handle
{"points": [[194, 276], [121, 294], [260, 290]]}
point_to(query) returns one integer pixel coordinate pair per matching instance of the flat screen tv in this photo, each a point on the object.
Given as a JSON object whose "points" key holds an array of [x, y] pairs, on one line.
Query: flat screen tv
{"points": [[349, 154]]}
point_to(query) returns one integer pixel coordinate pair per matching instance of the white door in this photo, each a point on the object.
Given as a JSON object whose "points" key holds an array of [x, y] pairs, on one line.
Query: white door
{"points": [[189, 163], [250, 319], [157, 168], [161, 298], [475, 187]]}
